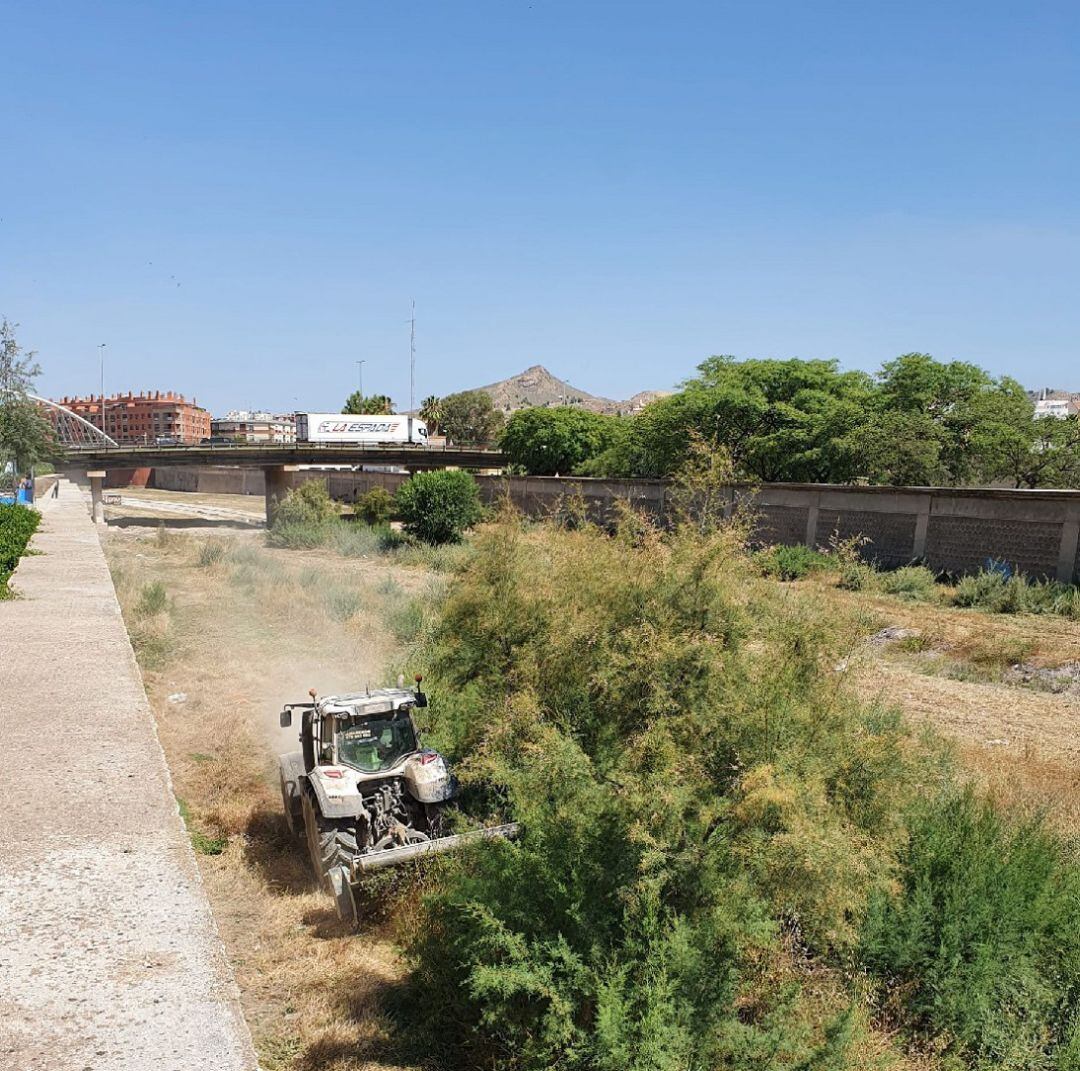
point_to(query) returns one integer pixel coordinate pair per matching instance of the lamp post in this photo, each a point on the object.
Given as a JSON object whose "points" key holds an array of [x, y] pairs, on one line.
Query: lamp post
{"points": [[360, 374], [101, 356]]}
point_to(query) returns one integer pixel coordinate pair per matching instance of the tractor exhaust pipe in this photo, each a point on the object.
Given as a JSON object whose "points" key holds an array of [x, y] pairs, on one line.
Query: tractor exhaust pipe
{"points": [[365, 864]]}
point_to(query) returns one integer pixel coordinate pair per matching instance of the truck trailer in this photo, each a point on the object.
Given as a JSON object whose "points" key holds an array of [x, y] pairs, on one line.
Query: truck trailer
{"points": [[360, 428]]}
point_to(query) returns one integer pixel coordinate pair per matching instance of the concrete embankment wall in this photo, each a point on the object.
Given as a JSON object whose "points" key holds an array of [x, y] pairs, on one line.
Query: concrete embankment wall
{"points": [[953, 530]]}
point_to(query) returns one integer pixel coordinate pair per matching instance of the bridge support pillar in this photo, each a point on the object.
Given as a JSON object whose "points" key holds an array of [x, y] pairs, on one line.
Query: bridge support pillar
{"points": [[97, 500], [278, 484]]}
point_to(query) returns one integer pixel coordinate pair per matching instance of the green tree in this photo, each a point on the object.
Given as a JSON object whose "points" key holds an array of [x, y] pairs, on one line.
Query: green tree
{"points": [[777, 420], [980, 426], [470, 417], [549, 441], [916, 381], [371, 404], [438, 507], [901, 448], [25, 435], [431, 412], [1051, 457]]}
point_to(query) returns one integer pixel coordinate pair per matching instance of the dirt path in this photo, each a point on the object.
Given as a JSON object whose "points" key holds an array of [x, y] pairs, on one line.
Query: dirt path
{"points": [[108, 951]]}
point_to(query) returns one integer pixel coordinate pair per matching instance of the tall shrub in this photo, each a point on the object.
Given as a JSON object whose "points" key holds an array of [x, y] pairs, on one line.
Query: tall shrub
{"points": [[309, 504], [438, 507], [698, 796], [980, 945]]}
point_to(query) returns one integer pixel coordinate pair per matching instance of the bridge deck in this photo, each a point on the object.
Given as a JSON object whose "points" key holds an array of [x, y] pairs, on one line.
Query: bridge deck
{"points": [[404, 455]]}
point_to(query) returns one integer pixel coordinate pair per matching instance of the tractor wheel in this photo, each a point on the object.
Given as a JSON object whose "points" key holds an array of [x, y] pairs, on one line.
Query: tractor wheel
{"points": [[325, 842]]}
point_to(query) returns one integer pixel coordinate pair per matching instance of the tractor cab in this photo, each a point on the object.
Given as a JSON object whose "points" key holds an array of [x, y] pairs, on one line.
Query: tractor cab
{"points": [[376, 742]]}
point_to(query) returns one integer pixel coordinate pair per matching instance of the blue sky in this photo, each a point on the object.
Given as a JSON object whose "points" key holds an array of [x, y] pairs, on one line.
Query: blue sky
{"points": [[241, 199]]}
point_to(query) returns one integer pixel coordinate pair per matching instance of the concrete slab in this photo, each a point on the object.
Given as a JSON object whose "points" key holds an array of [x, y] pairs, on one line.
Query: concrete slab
{"points": [[109, 957]]}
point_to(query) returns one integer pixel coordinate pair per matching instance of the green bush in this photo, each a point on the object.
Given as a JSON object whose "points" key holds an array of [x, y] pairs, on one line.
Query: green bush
{"points": [[376, 506], [980, 948], [342, 603], [309, 504], [791, 563], [989, 590], [404, 617], [17, 525], [353, 540], [437, 507], [153, 599], [212, 552], [301, 535], [994, 591], [914, 582], [855, 575], [390, 539], [693, 783], [1066, 601]]}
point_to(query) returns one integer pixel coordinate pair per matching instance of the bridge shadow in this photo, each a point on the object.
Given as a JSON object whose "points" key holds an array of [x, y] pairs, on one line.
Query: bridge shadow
{"points": [[185, 522]]}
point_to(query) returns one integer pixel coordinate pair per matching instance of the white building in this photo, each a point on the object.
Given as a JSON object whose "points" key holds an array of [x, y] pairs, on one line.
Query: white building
{"points": [[247, 426], [1056, 404]]}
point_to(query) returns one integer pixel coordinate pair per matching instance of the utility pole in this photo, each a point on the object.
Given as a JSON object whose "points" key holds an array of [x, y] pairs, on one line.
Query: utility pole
{"points": [[360, 372], [412, 358]]}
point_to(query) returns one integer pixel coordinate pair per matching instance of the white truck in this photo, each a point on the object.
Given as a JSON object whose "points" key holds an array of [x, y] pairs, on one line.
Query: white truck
{"points": [[360, 428]]}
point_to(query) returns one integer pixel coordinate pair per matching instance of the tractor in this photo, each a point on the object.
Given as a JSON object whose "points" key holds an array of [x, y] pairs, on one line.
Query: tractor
{"points": [[363, 791]]}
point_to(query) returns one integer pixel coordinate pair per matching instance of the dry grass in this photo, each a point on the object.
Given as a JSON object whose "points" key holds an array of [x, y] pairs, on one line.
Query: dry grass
{"points": [[241, 635], [1019, 742]]}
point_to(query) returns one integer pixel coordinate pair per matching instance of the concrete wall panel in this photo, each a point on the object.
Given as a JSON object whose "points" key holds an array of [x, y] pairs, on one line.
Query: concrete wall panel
{"points": [[780, 524], [890, 536], [963, 544]]}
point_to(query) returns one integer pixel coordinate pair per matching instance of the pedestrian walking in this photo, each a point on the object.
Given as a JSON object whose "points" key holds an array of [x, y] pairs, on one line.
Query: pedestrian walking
{"points": [[56, 488]]}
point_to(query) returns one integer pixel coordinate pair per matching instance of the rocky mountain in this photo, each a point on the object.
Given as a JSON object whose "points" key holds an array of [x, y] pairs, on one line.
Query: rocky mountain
{"points": [[536, 386]]}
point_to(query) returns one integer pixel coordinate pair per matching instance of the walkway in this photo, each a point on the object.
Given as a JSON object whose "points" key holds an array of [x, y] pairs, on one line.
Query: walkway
{"points": [[109, 959]]}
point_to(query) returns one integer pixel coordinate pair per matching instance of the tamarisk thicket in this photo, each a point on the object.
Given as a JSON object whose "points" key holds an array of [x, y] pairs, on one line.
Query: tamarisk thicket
{"points": [[710, 821]]}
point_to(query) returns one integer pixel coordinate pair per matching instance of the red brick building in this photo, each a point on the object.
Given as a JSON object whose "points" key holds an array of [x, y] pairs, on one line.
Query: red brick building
{"points": [[144, 418]]}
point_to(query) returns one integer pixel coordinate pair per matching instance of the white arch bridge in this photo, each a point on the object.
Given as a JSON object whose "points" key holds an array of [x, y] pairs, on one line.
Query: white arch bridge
{"points": [[72, 431]]}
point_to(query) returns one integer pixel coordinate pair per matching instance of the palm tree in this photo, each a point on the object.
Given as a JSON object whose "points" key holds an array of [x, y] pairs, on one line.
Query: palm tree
{"points": [[431, 413]]}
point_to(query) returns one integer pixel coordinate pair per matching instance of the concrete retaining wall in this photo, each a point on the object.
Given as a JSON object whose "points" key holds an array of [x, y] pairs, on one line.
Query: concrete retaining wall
{"points": [[956, 531], [218, 481]]}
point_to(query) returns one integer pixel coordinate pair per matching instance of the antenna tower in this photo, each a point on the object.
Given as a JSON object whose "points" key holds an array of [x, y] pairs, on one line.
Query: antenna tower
{"points": [[412, 358]]}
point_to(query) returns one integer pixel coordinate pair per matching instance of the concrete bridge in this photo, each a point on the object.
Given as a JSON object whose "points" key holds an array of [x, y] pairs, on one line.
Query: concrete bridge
{"points": [[275, 460]]}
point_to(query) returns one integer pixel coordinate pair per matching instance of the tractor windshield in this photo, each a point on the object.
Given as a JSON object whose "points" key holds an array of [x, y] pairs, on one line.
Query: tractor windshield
{"points": [[376, 743]]}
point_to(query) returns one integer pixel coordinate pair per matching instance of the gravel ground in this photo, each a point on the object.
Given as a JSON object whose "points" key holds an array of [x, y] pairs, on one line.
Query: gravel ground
{"points": [[108, 951]]}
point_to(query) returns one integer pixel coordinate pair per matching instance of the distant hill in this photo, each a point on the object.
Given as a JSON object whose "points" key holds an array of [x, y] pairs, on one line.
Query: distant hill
{"points": [[536, 386]]}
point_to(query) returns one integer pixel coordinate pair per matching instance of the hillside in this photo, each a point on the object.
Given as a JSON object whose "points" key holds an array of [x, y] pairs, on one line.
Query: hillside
{"points": [[536, 386]]}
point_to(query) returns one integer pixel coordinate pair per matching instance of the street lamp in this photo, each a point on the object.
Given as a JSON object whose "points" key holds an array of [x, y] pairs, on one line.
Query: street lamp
{"points": [[360, 372], [101, 355]]}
